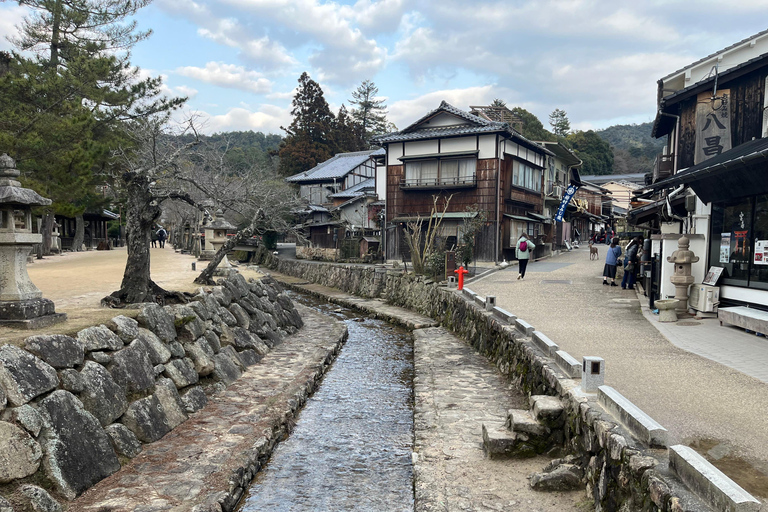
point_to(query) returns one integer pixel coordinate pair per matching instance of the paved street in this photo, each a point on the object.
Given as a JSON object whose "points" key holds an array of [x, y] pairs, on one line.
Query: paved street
{"points": [[700, 401]]}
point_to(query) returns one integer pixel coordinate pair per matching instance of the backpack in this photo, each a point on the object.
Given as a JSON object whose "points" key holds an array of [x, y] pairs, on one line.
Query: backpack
{"points": [[523, 246]]}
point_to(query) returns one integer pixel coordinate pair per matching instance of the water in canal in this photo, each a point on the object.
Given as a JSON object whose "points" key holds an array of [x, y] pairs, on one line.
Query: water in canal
{"points": [[351, 447]]}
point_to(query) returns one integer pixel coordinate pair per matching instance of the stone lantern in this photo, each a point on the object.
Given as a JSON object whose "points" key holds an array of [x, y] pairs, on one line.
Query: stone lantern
{"points": [[219, 226], [21, 303], [682, 278]]}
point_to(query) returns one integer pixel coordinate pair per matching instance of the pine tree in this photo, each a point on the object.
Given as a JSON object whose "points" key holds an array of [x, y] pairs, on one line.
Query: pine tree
{"points": [[370, 113], [348, 135], [310, 134], [559, 122]]}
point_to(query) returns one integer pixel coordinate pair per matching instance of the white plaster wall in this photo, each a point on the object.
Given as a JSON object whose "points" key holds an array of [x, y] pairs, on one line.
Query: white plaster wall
{"points": [[381, 182], [458, 144], [744, 294], [420, 147], [444, 119], [394, 151], [507, 146], [487, 146]]}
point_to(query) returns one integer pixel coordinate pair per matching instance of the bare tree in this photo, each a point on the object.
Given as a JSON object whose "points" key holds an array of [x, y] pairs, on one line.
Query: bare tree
{"points": [[420, 242]]}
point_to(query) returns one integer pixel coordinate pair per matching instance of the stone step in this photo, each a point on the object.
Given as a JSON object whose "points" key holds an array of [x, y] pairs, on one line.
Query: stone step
{"points": [[547, 410], [500, 442], [520, 420]]}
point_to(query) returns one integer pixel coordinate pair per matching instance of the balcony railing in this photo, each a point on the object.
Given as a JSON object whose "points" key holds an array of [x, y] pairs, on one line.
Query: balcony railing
{"points": [[663, 167], [427, 183]]}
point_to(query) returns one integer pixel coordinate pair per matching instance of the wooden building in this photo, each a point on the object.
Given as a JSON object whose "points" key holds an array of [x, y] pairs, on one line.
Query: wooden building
{"points": [[711, 182], [481, 164]]}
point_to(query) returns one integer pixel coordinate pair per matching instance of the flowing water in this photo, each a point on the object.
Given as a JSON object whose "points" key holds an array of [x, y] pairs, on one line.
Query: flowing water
{"points": [[351, 447]]}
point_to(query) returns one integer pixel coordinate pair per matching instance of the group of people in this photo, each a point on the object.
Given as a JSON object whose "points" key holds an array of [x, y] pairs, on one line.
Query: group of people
{"points": [[631, 263], [161, 235], [603, 237]]}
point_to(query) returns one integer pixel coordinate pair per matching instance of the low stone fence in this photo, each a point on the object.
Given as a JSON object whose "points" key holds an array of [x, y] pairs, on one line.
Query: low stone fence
{"points": [[622, 472], [73, 409]]}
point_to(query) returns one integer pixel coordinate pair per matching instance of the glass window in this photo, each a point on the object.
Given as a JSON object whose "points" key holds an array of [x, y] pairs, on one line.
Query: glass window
{"points": [[731, 240], [758, 275], [449, 171]]}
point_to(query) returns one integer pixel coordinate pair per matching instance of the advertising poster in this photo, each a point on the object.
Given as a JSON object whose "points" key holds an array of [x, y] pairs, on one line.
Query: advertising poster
{"points": [[725, 247], [713, 275], [761, 252]]}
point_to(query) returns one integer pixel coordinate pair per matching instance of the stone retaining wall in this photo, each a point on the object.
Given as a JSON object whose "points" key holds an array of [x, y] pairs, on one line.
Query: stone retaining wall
{"points": [[73, 409], [620, 472]]}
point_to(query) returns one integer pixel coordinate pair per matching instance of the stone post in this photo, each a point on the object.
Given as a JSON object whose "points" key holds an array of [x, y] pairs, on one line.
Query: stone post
{"points": [[682, 278]]}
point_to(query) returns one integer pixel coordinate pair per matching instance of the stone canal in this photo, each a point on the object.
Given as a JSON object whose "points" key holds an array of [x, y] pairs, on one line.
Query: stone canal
{"points": [[352, 443]]}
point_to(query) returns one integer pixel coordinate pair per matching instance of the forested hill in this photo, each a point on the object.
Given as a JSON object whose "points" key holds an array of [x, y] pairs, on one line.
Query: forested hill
{"points": [[634, 150]]}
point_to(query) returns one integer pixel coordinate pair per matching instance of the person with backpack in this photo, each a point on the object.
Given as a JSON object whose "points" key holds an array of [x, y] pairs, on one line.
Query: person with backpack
{"points": [[523, 252], [612, 262], [162, 235]]}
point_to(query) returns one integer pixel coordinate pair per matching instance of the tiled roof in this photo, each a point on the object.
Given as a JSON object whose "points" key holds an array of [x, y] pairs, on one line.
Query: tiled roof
{"points": [[337, 167], [356, 190]]}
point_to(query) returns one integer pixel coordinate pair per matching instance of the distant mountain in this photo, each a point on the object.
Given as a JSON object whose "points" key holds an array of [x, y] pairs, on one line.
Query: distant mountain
{"points": [[634, 150]]}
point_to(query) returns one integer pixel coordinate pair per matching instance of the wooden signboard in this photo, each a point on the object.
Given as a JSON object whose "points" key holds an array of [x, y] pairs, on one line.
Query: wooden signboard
{"points": [[713, 124]]}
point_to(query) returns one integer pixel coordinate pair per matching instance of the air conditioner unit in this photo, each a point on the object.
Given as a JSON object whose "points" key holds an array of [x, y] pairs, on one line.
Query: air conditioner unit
{"points": [[704, 298]]}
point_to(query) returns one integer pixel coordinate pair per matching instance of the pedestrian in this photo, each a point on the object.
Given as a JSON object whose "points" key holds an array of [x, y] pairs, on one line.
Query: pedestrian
{"points": [[524, 250], [611, 262], [631, 261], [162, 235], [153, 238]]}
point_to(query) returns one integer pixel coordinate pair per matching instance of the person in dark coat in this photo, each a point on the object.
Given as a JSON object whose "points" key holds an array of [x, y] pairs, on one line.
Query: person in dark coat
{"points": [[162, 235], [631, 261]]}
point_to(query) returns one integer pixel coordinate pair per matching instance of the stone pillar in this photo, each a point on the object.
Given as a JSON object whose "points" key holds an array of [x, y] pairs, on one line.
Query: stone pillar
{"points": [[682, 258]]}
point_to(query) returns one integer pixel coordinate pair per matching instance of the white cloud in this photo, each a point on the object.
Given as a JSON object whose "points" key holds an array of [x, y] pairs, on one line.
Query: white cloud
{"points": [[267, 119], [10, 17], [405, 112], [228, 75]]}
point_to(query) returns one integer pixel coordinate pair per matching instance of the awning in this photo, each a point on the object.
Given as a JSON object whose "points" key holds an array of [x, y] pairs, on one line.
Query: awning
{"points": [[446, 216], [518, 217], [738, 172], [451, 154], [539, 218]]}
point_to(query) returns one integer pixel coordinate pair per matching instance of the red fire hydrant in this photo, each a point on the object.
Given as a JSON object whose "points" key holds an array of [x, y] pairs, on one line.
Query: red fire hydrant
{"points": [[461, 271]]}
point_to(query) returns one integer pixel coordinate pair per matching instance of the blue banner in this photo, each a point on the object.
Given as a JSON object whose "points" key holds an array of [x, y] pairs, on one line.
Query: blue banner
{"points": [[569, 192]]}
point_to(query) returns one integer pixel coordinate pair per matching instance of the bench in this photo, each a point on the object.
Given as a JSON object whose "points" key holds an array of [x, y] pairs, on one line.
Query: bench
{"points": [[747, 318]]}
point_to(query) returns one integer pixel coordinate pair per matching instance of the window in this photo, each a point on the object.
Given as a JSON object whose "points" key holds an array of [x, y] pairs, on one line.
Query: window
{"points": [[453, 171], [526, 176]]}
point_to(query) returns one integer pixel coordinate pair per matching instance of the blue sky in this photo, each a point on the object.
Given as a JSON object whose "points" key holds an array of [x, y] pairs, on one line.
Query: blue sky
{"points": [[238, 61]]}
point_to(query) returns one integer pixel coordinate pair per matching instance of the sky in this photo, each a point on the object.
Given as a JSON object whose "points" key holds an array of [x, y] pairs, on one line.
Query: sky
{"points": [[238, 61]]}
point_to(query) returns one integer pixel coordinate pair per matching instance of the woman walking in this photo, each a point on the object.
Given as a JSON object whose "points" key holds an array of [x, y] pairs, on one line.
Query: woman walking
{"points": [[630, 264], [524, 250], [611, 262]]}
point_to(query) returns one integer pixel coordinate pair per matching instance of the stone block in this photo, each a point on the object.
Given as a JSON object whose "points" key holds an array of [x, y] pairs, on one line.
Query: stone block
{"points": [[176, 348], [146, 418], [189, 327], [171, 402], [546, 345], [101, 396], [222, 295], [71, 380], [197, 353], [57, 350], [524, 327], [242, 285], [158, 352], [520, 420], [639, 423], [468, 294], [194, 399], [710, 483], [502, 443], [156, 319], [592, 373], [564, 477], [568, 364], [213, 341], [227, 370], [99, 338], [243, 320], [181, 372], [503, 314], [132, 369], [123, 441], [103, 358], [250, 357], [548, 410], [77, 450], [201, 309], [24, 376], [226, 316], [479, 301], [39, 499], [26, 417], [126, 328], [20, 455]]}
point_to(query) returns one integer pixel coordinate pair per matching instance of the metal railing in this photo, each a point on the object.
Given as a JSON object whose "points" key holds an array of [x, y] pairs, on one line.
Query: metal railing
{"points": [[451, 182]]}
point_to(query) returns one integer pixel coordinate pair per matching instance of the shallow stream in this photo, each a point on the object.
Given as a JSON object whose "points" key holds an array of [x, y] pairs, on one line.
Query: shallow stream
{"points": [[351, 446]]}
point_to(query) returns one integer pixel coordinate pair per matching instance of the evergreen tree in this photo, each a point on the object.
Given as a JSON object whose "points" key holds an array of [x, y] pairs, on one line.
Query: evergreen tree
{"points": [[310, 134], [532, 127], [559, 122], [348, 135], [370, 113], [596, 153]]}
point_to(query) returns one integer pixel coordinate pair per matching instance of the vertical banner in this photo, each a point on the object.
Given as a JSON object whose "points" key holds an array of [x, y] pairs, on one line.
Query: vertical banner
{"points": [[713, 125], [725, 247], [569, 192]]}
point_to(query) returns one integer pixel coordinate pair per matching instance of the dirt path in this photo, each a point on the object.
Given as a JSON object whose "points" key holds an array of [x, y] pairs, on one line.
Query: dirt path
{"points": [[77, 281]]}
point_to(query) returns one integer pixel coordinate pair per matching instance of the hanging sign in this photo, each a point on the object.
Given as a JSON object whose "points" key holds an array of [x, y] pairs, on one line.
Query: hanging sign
{"points": [[569, 192], [713, 125]]}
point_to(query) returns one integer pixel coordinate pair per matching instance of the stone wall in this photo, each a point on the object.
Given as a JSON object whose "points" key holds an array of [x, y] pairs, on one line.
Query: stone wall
{"points": [[620, 472], [316, 253], [73, 409]]}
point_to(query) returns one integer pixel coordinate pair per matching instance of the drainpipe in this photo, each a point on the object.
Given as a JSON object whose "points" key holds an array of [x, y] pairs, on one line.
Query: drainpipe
{"points": [[669, 203], [677, 138], [498, 208]]}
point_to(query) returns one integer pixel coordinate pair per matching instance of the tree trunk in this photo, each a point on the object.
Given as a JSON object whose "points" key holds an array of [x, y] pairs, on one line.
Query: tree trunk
{"points": [[206, 276], [46, 230], [141, 214], [77, 241]]}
